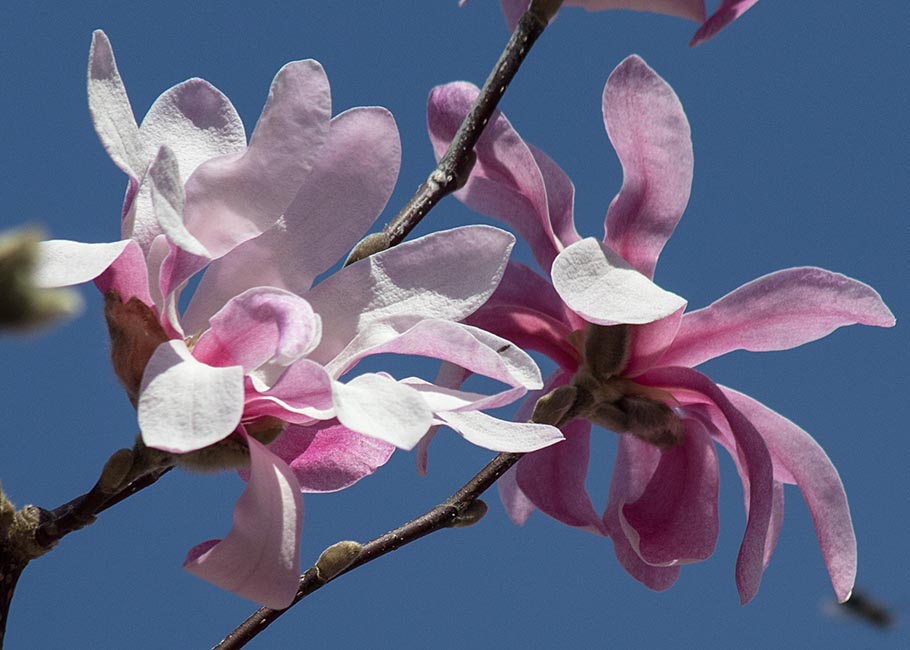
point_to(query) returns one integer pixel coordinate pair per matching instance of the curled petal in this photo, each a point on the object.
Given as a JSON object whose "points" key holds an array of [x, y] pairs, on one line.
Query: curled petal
{"points": [[650, 132], [300, 394], [168, 198], [458, 270], [753, 462], [636, 463], [819, 482], [260, 325], [260, 558], [328, 456], [602, 288], [674, 521], [777, 311], [553, 479], [186, 405], [507, 180], [378, 406]]}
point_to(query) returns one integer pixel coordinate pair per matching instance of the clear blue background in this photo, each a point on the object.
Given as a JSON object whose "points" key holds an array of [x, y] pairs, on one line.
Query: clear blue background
{"points": [[800, 123]]}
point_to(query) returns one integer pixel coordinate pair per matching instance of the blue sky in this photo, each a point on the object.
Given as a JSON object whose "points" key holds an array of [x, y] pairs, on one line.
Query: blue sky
{"points": [[799, 121]]}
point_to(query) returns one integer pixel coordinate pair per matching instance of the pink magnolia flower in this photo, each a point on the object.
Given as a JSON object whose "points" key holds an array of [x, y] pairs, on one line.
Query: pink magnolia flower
{"points": [[260, 352], [726, 13], [626, 349]]}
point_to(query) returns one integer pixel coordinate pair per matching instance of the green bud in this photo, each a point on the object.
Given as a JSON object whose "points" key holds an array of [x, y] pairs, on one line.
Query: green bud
{"points": [[473, 513], [336, 558]]}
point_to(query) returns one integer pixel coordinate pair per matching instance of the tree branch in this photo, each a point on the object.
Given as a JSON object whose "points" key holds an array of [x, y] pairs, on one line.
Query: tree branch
{"points": [[31, 532], [453, 169]]}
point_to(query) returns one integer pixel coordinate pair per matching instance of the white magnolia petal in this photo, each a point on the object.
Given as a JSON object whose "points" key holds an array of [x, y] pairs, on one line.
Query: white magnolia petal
{"points": [[603, 288], [110, 109], [378, 406], [501, 435], [168, 198], [185, 405], [62, 263]]}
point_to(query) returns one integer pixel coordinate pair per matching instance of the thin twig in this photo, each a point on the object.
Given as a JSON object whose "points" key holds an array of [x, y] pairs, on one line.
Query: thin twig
{"points": [[453, 169], [442, 516]]}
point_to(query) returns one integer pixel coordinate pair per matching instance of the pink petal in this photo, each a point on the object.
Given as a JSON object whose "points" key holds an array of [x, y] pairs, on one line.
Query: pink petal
{"points": [[650, 132], [186, 405], [518, 506], [62, 263], [526, 310], [635, 465], [302, 392], [378, 406], [819, 483], [650, 341], [691, 9], [260, 325], [553, 479], [234, 198], [458, 270], [602, 288], [259, 559], [506, 182], [500, 435], [354, 176], [776, 312], [128, 275], [727, 12], [110, 109], [674, 521], [328, 456], [752, 458]]}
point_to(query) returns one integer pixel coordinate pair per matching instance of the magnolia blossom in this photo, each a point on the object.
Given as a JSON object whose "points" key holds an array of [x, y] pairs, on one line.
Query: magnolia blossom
{"points": [[726, 13], [626, 349], [260, 355]]}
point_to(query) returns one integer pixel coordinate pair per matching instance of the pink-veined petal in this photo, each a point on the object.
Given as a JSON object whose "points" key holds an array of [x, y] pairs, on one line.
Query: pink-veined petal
{"points": [[110, 109], [553, 479], [650, 132], [458, 270], [777, 311], [506, 181], [128, 275], [186, 405], [752, 457], [327, 456], [234, 198], [819, 483], [603, 288], [726, 13], [501, 435], [260, 557], [674, 521], [650, 341], [260, 325], [62, 263], [378, 406], [300, 394]]}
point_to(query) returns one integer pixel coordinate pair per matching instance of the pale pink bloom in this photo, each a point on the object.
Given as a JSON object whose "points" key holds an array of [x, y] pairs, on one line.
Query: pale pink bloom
{"points": [[259, 349], [662, 507], [726, 13]]}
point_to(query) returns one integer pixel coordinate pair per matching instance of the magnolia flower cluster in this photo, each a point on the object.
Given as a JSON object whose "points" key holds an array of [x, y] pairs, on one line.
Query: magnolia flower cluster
{"points": [[257, 369], [625, 349], [259, 364]]}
